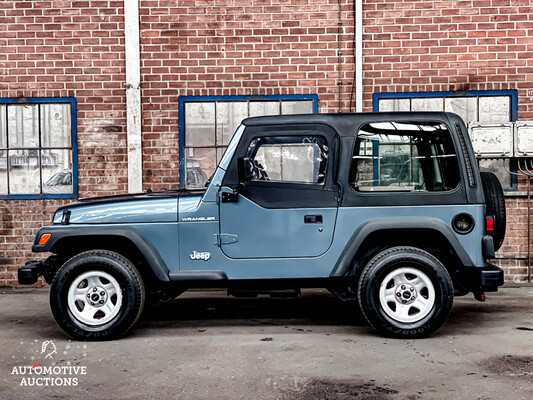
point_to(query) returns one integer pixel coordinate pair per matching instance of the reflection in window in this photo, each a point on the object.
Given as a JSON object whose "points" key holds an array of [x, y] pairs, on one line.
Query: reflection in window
{"points": [[210, 125], [395, 156], [289, 158], [35, 149]]}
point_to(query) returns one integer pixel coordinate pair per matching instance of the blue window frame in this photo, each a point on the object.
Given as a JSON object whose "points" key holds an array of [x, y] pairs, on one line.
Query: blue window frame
{"points": [[38, 148], [207, 123], [498, 166], [513, 94]]}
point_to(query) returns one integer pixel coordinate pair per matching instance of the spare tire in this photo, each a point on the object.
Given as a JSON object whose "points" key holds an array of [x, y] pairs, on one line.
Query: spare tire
{"points": [[495, 203]]}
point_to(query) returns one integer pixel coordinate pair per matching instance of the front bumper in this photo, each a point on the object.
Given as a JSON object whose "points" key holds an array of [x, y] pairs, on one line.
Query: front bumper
{"points": [[30, 272]]}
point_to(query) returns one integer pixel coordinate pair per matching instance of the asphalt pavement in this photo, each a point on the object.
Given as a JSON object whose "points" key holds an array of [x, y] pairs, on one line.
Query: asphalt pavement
{"points": [[205, 345]]}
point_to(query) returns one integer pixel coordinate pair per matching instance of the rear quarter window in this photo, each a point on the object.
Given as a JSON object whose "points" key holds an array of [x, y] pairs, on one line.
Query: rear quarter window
{"points": [[404, 157]]}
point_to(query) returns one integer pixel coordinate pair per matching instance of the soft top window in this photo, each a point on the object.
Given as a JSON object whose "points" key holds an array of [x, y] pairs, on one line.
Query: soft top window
{"points": [[289, 158], [404, 156]]}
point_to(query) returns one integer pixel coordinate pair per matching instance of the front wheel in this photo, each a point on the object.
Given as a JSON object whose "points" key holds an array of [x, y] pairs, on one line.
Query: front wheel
{"points": [[405, 292], [97, 295]]}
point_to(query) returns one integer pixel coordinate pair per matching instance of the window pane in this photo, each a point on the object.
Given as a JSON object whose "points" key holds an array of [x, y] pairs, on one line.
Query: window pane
{"points": [[395, 105], [297, 107], [199, 166], [220, 153], [3, 172], [289, 159], [465, 107], [229, 117], [200, 124], [500, 168], [494, 109], [427, 104], [404, 157], [258, 108], [55, 125], [57, 171], [24, 176], [23, 125], [3, 126]]}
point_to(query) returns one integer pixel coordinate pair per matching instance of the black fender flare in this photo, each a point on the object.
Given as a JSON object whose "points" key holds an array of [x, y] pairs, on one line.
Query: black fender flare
{"points": [[399, 223], [139, 239]]}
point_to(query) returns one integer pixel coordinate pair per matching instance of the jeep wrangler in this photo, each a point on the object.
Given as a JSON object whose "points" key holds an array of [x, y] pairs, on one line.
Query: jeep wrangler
{"points": [[386, 209]]}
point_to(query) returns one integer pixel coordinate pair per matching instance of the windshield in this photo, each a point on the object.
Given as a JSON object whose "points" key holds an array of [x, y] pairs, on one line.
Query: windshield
{"points": [[224, 162]]}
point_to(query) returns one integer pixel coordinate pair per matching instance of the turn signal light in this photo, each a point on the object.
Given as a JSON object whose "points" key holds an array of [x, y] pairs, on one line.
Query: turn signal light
{"points": [[490, 224], [44, 238]]}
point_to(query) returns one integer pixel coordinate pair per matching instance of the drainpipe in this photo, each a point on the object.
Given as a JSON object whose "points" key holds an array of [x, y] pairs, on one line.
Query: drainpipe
{"points": [[133, 95], [358, 55]]}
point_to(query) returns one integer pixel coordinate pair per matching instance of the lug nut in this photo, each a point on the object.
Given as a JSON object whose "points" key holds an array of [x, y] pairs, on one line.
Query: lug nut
{"points": [[411, 288], [102, 293], [92, 304], [101, 302], [399, 294], [94, 289], [404, 301], [403, 287], [88, 295]]}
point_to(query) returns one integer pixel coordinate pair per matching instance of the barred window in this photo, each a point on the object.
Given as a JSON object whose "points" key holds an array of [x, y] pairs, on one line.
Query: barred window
{"points": [[207, 125], [36, 148]]}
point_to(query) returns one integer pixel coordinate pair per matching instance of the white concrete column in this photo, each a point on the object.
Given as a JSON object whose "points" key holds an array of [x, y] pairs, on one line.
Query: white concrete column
{"points": [[133, 95], [359, 55]]}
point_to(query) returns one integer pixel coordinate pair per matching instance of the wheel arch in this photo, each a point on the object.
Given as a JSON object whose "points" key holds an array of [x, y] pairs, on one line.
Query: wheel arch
{"points": [[374, 236], [128, 242]]}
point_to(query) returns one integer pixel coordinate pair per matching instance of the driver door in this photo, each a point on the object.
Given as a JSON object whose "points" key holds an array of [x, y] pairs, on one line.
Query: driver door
{"points": [[288, 208]]}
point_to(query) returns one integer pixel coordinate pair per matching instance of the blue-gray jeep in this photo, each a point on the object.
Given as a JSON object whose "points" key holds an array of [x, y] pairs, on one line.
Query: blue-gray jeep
{"points": [[389, 210]]}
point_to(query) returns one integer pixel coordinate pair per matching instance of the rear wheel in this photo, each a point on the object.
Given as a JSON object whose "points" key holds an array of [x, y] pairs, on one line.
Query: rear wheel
{"points": [[97, 295], [405, 292]]}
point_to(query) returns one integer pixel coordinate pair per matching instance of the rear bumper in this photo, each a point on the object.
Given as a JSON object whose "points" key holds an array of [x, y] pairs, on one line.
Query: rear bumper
{"points": [[30, 272], [478, 280], [491, 277]]}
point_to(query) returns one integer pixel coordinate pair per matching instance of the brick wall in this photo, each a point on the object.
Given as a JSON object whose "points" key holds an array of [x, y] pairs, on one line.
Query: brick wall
{"points": [[229, 47], [65, 49], [243, 47]]}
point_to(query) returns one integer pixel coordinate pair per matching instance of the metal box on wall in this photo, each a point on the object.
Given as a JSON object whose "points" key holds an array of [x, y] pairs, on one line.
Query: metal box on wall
{"points": [[523, 143], [492, 140]]}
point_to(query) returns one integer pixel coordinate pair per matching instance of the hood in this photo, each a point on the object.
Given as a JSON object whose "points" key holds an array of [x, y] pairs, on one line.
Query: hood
{"points": [[125, 208]]}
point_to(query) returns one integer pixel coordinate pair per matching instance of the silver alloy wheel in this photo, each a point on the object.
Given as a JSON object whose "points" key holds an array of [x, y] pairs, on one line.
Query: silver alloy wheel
{"points": [[407, 295], [94, 298]]}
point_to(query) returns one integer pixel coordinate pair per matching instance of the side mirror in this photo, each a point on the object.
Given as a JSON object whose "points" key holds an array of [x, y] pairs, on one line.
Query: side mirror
{"points": [[245, 169]]}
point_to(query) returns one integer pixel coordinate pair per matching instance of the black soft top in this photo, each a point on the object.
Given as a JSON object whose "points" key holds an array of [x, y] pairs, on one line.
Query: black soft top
{"points": [[344, 123]]}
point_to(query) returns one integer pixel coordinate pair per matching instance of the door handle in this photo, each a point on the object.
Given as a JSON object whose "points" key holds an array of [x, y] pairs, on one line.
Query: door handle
{"points": [[313, 219]]}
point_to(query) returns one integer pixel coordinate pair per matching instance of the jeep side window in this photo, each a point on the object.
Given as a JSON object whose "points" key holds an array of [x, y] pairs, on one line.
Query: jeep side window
{"points": [[300, 159], [406, 156]]}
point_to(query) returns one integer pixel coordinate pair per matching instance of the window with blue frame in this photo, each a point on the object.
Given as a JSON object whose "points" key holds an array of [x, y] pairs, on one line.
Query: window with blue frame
{"points": [[38, 157], [474, 107], [207, 124]]}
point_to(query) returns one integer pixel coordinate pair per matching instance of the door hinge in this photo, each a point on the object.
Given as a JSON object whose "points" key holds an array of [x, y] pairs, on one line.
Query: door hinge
{"points": [[225, 238], [231, 197]]}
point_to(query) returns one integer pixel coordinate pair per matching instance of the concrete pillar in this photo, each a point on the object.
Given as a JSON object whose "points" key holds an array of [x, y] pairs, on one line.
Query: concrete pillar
{"points": [[133, 95]]}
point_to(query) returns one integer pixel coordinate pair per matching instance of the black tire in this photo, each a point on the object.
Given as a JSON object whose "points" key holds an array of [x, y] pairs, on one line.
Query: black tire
{"points": [[409, 261], [495, 203], [99, 262]]}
